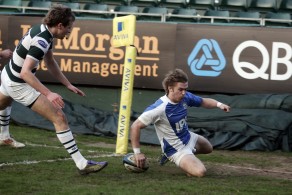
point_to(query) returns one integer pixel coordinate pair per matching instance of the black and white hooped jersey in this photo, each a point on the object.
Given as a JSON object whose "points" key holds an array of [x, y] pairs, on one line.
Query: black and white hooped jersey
{"points": [[34, 44], [170, 121]]}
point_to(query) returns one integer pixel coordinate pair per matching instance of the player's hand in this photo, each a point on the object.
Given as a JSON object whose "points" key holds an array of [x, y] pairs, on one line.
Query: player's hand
{"points": [[7, 53], [76, 90], [140, 160], [56, 100], [225, 107]]}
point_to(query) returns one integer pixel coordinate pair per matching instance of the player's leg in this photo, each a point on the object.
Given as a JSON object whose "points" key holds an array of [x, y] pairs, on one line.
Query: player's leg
{"points": [[203, 146], [5, 138], [43, 107], [192, 165], [5, 110], [187, 161]]}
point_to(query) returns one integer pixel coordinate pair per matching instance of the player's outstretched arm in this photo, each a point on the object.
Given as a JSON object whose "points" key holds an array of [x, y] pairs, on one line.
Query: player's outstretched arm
{"points": [[75, 90], [55, 70], [211, 103]]}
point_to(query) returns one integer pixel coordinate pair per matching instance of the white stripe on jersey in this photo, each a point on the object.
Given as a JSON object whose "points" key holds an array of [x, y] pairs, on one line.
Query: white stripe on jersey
{"points": [[34, 44], [170, 121]]}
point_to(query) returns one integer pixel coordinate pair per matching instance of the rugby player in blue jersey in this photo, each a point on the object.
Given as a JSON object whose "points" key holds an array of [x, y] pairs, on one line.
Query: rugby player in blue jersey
{"points": [[169, 116], [19, 82]]}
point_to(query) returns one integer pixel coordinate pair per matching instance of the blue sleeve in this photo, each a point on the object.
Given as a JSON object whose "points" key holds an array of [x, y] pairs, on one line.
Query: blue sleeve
{"points": [[193, 100]]}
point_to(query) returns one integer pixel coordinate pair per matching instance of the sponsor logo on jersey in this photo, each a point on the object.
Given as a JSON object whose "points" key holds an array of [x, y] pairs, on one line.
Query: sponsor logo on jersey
{"points": [[42, 43]]}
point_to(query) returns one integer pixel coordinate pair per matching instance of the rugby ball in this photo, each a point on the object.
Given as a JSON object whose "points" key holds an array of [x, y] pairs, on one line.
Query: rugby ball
{"points": [[130, 164]]}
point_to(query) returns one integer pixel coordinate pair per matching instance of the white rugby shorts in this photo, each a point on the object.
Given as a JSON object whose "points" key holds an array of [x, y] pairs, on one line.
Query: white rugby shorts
{"points": [[20, 92], [188, 149]]}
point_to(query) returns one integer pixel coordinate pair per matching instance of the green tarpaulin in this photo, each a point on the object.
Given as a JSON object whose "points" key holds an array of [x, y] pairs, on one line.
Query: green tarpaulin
{"points": [[256, 122]]}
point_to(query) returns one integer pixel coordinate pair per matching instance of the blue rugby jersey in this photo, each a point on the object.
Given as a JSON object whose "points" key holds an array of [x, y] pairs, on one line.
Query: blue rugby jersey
{"points": [[170, 121]]}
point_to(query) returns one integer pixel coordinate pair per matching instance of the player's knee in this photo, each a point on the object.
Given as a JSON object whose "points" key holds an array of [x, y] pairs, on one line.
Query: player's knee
{"points": [[60, 117], [198, 173], [209, 149], [201, 172]]}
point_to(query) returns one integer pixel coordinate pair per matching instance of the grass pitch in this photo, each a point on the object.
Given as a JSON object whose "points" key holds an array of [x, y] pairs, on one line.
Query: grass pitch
{"points": [[45, 167]]}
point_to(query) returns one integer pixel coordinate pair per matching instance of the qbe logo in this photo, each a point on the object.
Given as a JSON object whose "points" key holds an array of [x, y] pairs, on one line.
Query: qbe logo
{"points": [[207, 59], [248, 70]]}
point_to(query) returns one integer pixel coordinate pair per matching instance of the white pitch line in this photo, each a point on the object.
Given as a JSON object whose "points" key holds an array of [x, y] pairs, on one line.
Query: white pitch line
{"points": [[255, 169], [58, 147], [52, 160], [42, 145]]}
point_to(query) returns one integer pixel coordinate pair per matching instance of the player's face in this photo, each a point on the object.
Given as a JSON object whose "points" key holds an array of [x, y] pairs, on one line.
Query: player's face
{"points": [[178, 91], [64, 31]]}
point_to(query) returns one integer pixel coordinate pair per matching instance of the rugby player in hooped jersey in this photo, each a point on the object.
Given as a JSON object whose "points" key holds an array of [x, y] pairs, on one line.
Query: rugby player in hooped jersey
{"points": [[168, 114], [19, 82], [5, 137]]}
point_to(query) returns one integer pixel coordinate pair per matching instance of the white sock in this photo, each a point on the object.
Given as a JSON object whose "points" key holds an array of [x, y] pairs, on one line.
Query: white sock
{"points": [[68, 141], [4, 122]]}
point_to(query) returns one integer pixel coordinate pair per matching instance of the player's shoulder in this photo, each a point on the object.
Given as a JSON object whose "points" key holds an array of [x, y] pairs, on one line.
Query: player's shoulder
{"points": [[41, 32], [192, 99], [157, 105], [191, 95], [35, 30]]}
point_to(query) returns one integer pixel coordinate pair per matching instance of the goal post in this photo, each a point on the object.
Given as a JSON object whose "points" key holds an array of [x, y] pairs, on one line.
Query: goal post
{"points": [[124, 29]]}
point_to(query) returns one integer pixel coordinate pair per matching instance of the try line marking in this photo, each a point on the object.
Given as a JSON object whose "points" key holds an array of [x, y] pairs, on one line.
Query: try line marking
{"points": [[55, 160]]}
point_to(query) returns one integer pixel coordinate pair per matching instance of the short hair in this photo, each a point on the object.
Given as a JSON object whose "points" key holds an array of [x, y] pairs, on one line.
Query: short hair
{"points": [[59, 14], [173, 77]]}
